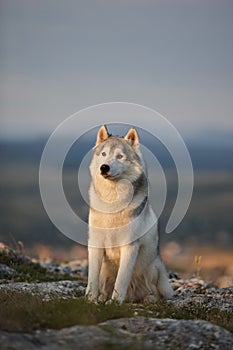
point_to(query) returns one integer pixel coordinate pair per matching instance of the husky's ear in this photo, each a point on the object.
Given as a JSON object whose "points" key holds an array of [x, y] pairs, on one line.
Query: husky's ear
{"points": [[102, 135], [132, 137]]}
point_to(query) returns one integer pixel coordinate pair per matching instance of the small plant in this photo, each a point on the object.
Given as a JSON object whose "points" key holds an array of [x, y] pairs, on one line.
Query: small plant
{"points": [[197, 261]]}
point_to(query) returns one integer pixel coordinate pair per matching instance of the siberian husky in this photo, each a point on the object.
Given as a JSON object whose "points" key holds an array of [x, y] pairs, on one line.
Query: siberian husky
{"points": [[123, 244]]}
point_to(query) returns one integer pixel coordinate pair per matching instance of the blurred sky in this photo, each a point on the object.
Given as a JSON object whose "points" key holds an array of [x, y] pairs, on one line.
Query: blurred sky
{"points": [[58, 56]]}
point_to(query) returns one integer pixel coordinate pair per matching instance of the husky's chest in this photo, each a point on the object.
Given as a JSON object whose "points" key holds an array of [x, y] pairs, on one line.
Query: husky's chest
{"points": [[109, 220], [113, 255]]}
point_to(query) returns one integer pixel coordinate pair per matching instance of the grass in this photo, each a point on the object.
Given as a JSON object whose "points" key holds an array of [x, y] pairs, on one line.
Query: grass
{"points": [[23, 312]]}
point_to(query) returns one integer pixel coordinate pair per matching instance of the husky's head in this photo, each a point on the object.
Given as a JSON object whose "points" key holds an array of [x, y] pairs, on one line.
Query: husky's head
{"points": [[117, 157]]}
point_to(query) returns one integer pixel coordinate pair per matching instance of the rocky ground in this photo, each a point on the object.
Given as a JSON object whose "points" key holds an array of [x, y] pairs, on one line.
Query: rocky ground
{"points": [[126, 333], [145, 330]]}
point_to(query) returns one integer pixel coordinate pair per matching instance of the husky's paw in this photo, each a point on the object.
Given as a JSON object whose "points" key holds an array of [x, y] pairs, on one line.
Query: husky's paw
{"points": [[164, 288], [102, 298], [150, 299], [113, 301], [168, 293], [91, 297], [117, 297]]}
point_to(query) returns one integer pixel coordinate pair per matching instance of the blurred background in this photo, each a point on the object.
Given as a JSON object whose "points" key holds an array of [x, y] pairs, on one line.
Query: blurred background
{"points": [[174, 56]]}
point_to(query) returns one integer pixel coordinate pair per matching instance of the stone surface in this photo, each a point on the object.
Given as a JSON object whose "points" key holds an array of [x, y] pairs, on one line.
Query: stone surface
{"points": [[137, 332], [16, 256], [129, 333], [201, 293], [49, 290], [72, 268], [6, 271]]}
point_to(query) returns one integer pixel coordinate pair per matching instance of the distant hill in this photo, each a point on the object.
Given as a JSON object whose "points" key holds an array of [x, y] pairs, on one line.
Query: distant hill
{"points": [[208, 221], [209, 150]]}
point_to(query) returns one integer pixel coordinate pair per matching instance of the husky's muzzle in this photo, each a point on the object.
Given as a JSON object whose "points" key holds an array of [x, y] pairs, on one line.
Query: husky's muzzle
{"points": [[104, 169]]}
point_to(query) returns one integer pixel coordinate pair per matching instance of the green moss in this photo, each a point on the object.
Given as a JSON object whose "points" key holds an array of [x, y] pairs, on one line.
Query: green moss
{"points": [[25, 312]]}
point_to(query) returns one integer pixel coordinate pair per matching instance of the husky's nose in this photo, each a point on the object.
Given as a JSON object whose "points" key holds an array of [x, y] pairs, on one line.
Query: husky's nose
{"points": [[104, 168]]}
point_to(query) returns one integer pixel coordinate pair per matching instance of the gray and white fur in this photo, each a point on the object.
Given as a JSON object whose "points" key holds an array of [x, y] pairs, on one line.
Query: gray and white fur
{"points": [[123, 244]]}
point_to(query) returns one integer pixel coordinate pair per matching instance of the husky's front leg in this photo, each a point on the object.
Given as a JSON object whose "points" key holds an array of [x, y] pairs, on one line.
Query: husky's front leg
{"points": [[127, 262], [95, 257]]}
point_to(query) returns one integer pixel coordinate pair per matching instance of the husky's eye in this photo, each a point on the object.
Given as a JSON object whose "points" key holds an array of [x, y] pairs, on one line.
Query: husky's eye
{"points": [[119, 156], [103, 154]]}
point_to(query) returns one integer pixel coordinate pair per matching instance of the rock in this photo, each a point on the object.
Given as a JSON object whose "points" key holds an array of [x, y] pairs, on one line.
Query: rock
{"points": [[77, 337], [16, 256], [8, 256], [49, 290], [171, 334], [71, 269], [136, 332], [195, 292], [6, 271]]}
